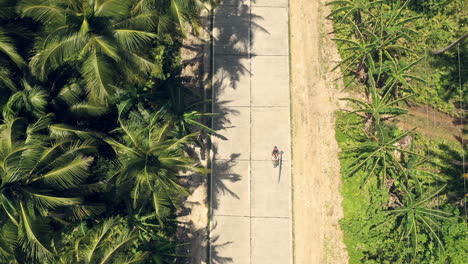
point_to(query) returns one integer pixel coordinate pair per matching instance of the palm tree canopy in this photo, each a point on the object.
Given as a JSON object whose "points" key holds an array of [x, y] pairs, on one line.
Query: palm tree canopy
{"points": [[416, 215], [34, 171], [105, 243], [151, 157], [8, 56], [102, 36]]}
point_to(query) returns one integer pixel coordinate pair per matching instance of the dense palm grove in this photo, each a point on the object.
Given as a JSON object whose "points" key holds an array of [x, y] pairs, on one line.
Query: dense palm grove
{"points": [[404, 196], [95, 126]]}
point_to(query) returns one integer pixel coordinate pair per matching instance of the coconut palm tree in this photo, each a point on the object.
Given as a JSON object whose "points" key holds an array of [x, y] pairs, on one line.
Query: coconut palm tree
{"points": [[30, 100], [181, 111], [151, 157], [71, 101], [9, 57], [172, 15], [37, 177], [102, 39], [105, 243]]}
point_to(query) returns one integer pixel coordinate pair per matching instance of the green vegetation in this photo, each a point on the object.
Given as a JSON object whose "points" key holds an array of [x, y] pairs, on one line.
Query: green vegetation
{"points": [[405, 37], [378, 227], [403, 193], [95, 129]]}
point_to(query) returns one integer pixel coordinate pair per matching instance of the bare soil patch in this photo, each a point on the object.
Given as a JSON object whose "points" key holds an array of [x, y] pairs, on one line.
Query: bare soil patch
{"points": [[316, 168], [433, 123], [192, 231]]}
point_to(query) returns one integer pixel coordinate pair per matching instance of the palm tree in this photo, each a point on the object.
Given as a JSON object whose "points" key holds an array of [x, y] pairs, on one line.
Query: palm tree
{"points": [[28, 100], [151, 157], [105, 243], [397, 73], [173, 15], [71, 101], [181, 112], [383, 34], [353, 8], [416, 216], [37, 178], [378, 107], [9, 55], [101, 38], [376, 157]]}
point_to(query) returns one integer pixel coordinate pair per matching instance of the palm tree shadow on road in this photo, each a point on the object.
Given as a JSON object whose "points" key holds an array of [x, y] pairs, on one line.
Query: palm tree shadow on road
{"points": [[232, 39], [233, 35], [222, 173]]}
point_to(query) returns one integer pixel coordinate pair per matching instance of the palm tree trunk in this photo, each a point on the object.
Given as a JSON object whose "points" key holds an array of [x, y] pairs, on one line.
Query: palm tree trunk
{"points": [[437, 52]]}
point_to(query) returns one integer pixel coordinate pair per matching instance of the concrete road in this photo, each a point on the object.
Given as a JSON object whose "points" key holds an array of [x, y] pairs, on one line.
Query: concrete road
{"points": [[251, 200]]}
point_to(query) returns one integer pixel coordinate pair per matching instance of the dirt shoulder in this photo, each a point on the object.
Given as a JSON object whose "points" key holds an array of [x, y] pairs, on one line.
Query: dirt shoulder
{"points": [[192, 220], [316, 169]]}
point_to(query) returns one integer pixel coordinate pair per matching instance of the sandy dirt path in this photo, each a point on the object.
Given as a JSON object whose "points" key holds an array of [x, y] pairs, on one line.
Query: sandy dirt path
{"points": [[316, 169]]}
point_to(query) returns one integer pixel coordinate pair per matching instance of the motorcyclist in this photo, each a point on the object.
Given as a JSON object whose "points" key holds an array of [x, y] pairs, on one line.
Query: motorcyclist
{"points": [[275, 156]]}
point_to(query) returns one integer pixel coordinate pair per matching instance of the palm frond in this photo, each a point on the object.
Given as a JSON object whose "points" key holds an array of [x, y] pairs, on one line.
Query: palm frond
{"points": [[61, 131], [8, 236], [122, 241], [69, 175], [133, 40], [6, 78], [45, 201], [28, 239], [97, 72], [145, 21], [112, 8], [55, 55], [179, 15], [89, 109], [7, 47], [41, 11], [83, 211]]}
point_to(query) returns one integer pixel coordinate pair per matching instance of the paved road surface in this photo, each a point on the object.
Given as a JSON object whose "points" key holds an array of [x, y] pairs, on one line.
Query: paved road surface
{"points": [[251, 200]]}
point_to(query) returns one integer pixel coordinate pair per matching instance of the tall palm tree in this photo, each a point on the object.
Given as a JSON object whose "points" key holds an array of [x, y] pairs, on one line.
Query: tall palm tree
{"points": [[181, 111], [151, 158], [101, 38], [72, 101], [37, 178], [104, 244]]}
